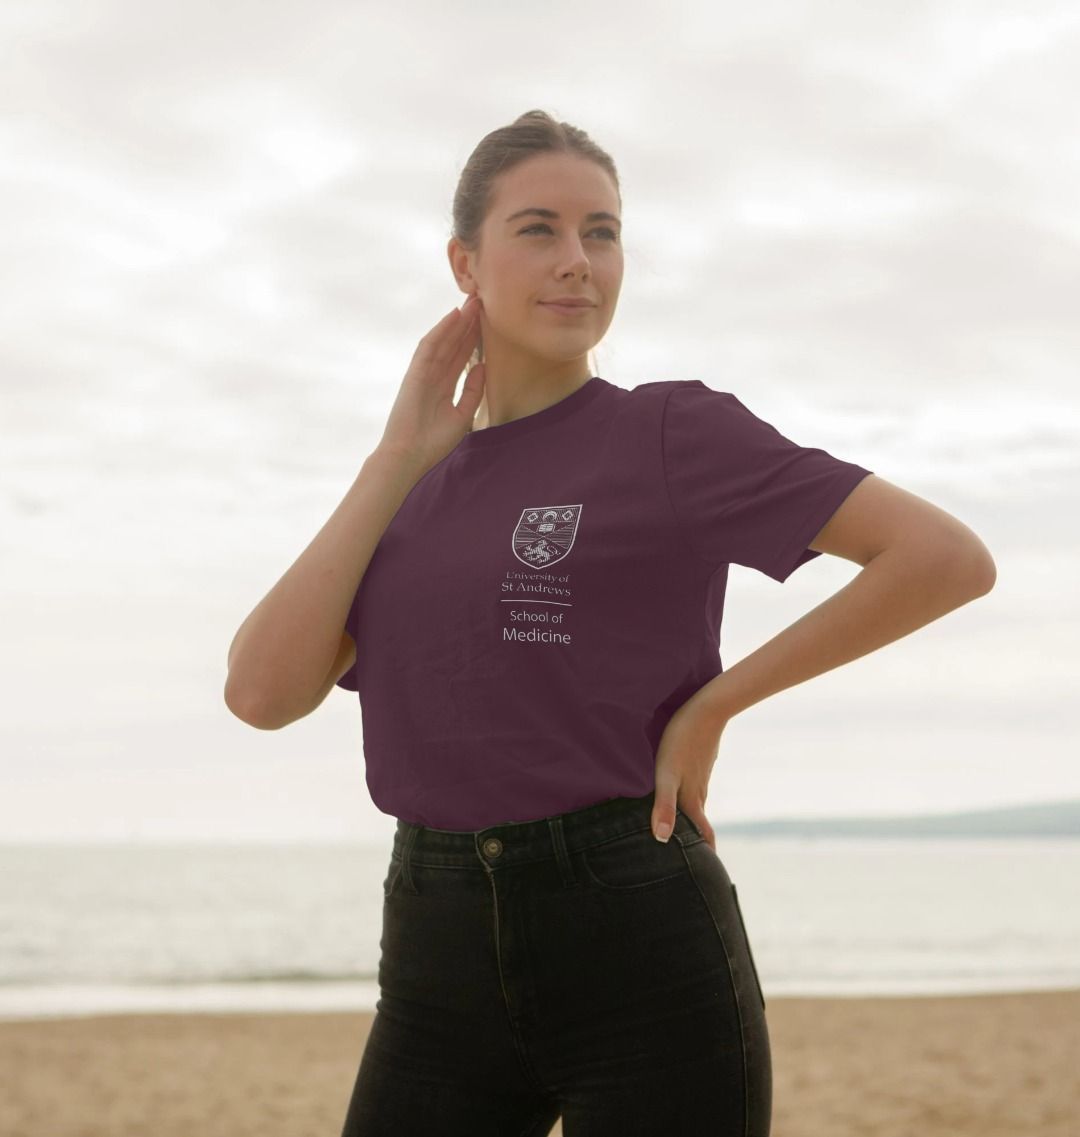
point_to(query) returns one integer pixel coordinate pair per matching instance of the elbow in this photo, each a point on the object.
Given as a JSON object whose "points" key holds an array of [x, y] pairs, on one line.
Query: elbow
{"points": [[969, 566], [978, 566], [985, 574], [955, 563], [249, 710]]}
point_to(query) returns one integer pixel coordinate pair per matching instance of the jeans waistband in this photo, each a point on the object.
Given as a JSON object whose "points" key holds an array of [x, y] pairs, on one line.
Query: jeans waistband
{"points": [[519, 842]]}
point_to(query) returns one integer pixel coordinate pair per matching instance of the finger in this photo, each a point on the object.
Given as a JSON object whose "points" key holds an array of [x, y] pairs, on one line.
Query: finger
{"points": [[460, 336], [458, 361], [432, 344], [444, 352], [458, 322], [663, 814], [468, 312], [472, 392]]}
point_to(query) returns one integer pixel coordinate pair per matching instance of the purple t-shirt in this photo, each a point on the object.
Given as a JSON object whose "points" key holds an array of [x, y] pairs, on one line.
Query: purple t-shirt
{"points": [[551, 592]]}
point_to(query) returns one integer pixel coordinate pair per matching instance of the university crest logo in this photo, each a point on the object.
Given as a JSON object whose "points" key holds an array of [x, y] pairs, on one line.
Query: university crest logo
{"points": [[545, 534]]}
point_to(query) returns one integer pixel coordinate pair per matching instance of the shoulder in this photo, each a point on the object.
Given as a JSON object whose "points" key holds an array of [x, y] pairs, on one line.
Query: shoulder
{"points": [[687, 390], [664, 386], [681, 391], [689, 405]]}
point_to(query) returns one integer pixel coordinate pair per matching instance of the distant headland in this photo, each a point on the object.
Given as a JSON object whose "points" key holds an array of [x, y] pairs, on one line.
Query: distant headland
{"points": [[1045, 819]]}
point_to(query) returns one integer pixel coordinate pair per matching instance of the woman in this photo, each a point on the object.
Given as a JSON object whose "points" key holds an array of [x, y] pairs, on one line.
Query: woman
{"points": [[531, 582]]}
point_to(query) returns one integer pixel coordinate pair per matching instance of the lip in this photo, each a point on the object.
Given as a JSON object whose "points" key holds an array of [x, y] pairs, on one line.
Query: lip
{"points": [[567, 309]]}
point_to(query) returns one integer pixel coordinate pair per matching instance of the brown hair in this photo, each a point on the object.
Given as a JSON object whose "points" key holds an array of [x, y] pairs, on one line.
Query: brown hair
{"points": [[534, 132]]}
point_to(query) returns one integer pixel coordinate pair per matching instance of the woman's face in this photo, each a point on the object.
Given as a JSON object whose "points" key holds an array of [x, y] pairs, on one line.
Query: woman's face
{"points": [[526, 260]]}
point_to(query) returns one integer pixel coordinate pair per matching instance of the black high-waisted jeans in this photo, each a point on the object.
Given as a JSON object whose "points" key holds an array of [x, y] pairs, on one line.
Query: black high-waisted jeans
{"points": [[572, 966]]}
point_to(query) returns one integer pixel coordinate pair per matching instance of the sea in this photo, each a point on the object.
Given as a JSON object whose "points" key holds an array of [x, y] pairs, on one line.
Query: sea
{"points": [[113, 929]]}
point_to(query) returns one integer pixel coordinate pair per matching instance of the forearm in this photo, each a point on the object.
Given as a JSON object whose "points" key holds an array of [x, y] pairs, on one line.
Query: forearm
{"points": [[282, 653], [897, 592]]}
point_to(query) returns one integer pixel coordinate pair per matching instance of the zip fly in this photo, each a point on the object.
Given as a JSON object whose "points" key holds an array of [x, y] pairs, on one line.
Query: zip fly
{"points": [[498, 951]]}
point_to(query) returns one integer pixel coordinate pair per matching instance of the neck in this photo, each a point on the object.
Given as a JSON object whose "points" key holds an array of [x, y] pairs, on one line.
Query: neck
{"points": [[512, 392], [523, 403]]}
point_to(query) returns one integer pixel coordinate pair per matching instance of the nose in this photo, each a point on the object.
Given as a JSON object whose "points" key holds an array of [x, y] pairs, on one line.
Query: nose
{"points": [[575, 258]]}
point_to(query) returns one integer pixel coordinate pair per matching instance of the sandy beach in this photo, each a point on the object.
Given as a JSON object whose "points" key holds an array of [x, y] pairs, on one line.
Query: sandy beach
{"points": [[991, 1065]]}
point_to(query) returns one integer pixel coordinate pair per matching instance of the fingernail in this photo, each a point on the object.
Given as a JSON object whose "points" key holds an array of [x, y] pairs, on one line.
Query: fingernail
{"points": [[663, 831]]}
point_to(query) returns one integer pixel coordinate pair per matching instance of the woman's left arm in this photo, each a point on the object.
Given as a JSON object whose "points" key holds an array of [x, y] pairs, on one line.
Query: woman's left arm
{"points": [[919, 563]]}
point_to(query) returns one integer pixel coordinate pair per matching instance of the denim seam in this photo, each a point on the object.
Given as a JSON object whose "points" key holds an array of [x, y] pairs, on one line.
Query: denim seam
{"points": [[749, 948], [406, 864], [558, 841], [683, 839], [735, 990], [629, 887]]}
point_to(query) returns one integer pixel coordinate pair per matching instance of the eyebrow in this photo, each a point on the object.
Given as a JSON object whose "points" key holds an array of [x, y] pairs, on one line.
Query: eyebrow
{"points": [[555, 217]]}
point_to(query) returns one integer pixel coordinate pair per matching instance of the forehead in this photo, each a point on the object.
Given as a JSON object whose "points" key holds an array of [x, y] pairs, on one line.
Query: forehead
{"points": [[566, 183]]}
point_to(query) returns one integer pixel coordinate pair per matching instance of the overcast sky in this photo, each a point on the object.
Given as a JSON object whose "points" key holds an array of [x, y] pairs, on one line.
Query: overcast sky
{"points": [[223, 231]]}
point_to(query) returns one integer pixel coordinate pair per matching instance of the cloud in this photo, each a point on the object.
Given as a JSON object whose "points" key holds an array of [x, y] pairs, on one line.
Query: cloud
{"points": [[223, 237]]}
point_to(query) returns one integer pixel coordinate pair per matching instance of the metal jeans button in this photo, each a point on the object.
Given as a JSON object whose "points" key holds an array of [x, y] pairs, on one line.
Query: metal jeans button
{"points": [[493, 846]]}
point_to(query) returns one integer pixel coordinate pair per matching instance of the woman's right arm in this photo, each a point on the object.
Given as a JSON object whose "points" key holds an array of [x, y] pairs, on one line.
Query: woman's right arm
{"points": [[291, 649]]}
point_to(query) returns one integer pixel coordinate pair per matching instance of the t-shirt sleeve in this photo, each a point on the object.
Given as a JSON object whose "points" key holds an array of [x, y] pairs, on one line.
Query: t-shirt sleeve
{"points": [[349, 681], [742, 492]]}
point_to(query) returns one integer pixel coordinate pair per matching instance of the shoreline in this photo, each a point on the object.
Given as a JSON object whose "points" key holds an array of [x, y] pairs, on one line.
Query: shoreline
{"points": [[866, 1066], [35, 1002]]}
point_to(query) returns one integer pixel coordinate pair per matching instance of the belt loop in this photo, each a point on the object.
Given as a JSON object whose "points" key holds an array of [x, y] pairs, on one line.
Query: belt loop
{"points": [[411, 833], [558, 842]]}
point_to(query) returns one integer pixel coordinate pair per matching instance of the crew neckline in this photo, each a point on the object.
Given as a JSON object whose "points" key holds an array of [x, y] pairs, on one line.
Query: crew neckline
{"points": [[505, 431]]}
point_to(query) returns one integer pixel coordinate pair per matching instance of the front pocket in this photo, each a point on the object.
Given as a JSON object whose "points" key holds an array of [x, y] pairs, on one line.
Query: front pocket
{"points": [[749, 950], [634, 860]]}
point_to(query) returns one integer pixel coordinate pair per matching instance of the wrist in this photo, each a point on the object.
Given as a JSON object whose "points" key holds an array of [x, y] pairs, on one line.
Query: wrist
{"points": [[716, 700], [397, 460]]}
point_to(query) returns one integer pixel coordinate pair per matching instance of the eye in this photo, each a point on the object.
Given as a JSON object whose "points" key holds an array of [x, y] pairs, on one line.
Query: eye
{"points": [[612, 235]]}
